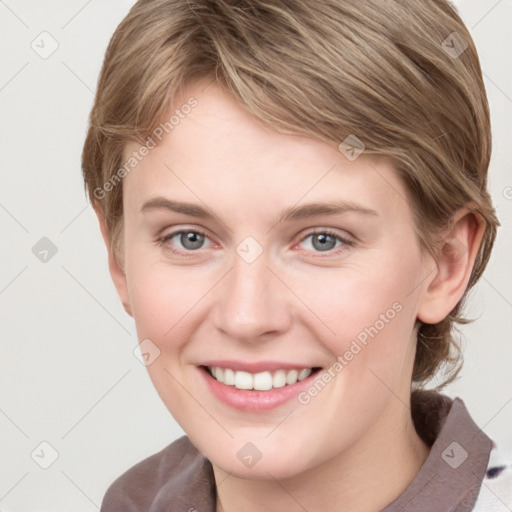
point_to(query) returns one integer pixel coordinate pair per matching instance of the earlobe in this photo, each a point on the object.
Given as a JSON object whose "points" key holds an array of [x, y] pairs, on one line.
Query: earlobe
{"points": [[116, 271], [448, 282]]}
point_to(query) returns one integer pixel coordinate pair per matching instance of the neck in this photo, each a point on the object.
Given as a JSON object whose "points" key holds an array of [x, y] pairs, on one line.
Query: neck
{"points": [[352, 479]]}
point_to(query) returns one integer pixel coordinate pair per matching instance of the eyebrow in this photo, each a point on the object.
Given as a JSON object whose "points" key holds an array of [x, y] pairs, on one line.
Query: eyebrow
{"points": [[290, 214]]}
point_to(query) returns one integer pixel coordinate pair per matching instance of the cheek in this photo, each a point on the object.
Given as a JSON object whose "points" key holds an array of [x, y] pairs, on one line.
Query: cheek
{"points": [[161, 297], [169, 303], [165, 304], [366, 302], [366, 314]]}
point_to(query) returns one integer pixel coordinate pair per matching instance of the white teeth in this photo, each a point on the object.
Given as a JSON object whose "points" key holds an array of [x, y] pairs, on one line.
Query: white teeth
{"points": [[279, 379], [262, 381], [229, 377], [303, 374], [243, 380], [291, 377]]}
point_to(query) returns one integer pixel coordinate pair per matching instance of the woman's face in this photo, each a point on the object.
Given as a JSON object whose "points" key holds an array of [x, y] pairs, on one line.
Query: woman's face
{"points": [[227, 266]]}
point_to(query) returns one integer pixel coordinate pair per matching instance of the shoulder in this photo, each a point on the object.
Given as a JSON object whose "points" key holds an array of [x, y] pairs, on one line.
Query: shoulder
{"points": [[138, 488], [496, 491], [484, 482]]}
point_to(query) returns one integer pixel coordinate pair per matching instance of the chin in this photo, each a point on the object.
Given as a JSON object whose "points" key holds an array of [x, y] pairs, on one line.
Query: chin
{"points": [[252, 464]]}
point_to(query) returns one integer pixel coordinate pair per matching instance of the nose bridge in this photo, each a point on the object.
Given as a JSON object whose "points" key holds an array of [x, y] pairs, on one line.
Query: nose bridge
{"points": [[252, 300]]}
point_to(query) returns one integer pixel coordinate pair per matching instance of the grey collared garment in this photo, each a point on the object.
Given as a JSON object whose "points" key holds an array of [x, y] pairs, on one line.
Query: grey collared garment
{"points": [[180, 478]]}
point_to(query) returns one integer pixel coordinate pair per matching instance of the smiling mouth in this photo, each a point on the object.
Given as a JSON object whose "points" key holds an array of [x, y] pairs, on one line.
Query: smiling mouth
{"points": [[262, 381]]}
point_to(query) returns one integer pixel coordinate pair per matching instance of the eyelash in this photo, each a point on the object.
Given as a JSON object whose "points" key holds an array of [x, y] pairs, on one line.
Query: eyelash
{"points": [[332, 252]]}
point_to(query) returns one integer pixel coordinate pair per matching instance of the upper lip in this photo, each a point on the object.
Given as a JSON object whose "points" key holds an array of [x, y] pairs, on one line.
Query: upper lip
{"points": [[256, 367]]}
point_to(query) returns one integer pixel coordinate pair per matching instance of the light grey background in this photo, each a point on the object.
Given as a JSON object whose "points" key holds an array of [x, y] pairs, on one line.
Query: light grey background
{"points": [[69, 376]]}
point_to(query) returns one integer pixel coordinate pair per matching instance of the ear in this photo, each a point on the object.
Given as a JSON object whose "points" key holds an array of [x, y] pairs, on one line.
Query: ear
{"points": [[116, 272], [454, 265]]}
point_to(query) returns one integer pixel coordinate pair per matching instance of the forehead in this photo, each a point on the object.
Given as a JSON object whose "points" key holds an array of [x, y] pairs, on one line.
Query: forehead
{"points": [[217, 150]]}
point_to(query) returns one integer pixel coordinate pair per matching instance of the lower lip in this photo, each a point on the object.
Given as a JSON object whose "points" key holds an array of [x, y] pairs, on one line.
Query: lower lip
{"points": [[254, 401]]}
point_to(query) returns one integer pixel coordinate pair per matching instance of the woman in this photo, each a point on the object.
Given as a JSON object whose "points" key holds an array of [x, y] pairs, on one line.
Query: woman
{"points": [[293, 197]]}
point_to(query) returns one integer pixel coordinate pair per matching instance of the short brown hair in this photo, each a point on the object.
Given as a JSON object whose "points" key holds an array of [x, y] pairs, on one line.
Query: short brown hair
{"points": [[402, 76]]}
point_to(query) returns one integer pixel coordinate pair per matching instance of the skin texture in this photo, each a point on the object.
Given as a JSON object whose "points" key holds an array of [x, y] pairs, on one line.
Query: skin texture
{"points": [[294, 303]]}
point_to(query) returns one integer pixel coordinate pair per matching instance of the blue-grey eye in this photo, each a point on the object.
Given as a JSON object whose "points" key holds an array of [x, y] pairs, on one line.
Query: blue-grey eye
{"points": [[322, 241], [189, 240], [192, 240]]}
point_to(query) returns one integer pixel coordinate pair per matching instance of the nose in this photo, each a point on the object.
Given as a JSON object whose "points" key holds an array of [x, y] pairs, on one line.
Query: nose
{"points": [[254, 302]]}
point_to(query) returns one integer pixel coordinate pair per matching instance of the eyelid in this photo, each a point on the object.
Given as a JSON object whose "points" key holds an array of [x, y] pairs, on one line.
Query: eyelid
{"points": [[174, 230], [346, 238]]}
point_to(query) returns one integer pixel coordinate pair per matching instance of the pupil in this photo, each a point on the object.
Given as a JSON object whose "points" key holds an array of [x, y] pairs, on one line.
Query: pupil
{"points": [[191, 240], [322, 238]]}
